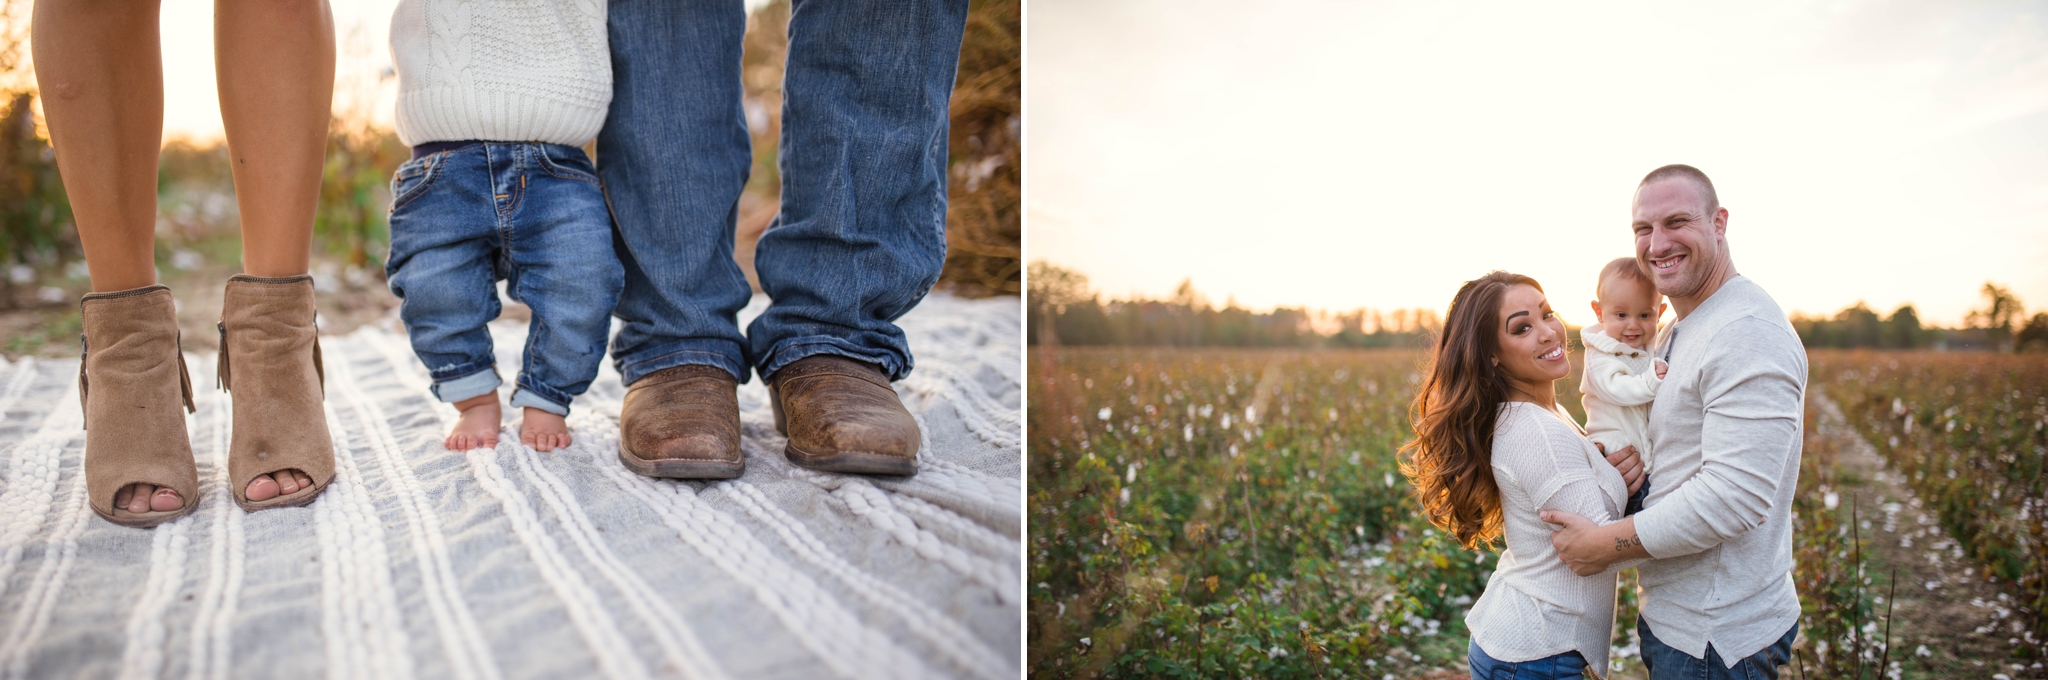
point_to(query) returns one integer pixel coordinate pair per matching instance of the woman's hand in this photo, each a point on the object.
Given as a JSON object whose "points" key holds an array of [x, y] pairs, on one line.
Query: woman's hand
{"points": [[1628, 464]]}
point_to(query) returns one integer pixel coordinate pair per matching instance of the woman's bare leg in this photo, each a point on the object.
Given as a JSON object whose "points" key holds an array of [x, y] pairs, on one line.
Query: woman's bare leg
{"points": [[275, 63], [101, 75]]}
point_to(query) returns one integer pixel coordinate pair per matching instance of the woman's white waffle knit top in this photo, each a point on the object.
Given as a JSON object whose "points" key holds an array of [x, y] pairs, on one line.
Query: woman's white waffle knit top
{"points": [[1534, 606], [501, 70]]}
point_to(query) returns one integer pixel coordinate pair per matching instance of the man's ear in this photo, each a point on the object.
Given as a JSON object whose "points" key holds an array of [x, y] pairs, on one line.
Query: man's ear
{"points": [[1721, 221]]}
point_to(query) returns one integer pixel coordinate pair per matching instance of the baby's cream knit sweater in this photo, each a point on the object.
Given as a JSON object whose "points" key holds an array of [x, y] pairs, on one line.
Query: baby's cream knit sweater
{"points": [[1619, 384], [501, 70]]}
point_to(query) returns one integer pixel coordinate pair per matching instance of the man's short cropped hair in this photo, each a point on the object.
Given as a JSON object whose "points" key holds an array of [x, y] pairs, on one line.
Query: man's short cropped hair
{"points": [[1688, 172]]}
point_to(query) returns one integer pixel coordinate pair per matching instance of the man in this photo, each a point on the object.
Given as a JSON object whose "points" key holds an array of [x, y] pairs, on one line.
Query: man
{"points": [[859, 239], [1725, 432]]}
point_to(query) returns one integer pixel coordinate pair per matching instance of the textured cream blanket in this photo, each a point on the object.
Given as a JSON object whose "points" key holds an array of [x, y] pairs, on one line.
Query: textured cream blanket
{"points": [[424, 563]]}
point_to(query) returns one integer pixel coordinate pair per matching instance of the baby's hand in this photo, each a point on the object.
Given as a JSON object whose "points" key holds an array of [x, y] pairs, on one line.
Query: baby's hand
{"points": [[1661, 368]]}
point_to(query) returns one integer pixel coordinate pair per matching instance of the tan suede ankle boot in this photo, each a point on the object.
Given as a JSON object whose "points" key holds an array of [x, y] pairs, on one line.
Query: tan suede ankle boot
{"points": [[131, 381], [270, 360]]}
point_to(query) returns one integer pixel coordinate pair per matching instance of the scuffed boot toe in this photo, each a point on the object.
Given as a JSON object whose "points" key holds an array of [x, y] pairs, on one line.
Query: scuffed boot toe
{"points": [[841, 416], [682, 422]]}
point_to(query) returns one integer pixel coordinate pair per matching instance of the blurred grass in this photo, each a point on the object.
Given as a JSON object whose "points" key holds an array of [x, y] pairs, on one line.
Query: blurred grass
{"points": [[983, 212]]}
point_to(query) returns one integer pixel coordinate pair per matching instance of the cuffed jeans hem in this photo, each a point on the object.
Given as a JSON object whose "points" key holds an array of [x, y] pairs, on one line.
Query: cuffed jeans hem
{"points": [[788, 352], [696, 353], [467, 387], [524, 398]]}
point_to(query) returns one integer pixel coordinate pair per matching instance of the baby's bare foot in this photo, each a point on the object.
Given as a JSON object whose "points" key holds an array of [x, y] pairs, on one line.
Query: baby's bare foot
{"points": [[543, 431], [478, 426]]}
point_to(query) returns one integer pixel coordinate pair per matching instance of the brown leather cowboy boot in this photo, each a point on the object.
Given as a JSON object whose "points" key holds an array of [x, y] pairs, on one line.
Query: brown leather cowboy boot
{"points": [[131, 381], [682, 422], [841, 416], [270, 360]]}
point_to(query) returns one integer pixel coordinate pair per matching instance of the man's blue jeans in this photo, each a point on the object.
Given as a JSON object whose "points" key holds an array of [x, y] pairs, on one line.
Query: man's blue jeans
{"points": [[1665, 662], [860, 237]]}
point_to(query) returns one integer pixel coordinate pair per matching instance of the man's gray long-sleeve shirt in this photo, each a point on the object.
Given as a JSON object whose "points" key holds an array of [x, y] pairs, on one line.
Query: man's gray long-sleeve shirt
{"points": [[1725, 434]]}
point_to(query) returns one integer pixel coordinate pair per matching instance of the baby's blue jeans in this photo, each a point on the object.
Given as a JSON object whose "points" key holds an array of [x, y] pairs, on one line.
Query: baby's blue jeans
{"points": [[467, 215]]}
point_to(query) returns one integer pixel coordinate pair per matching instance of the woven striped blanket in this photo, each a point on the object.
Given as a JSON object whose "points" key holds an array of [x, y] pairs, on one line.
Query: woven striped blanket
{"points": [[420, 562]]}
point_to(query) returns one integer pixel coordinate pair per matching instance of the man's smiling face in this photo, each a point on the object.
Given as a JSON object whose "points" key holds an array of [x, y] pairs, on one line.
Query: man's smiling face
{"points": [[1678, 237]]}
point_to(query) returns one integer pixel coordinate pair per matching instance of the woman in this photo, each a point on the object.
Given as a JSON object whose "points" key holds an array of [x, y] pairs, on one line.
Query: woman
{"points": [[101, 72], [1491, 450]]}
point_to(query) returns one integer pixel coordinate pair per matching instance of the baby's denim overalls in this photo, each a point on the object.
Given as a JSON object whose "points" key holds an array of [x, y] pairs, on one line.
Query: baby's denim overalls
{"points": [[465, 215]]}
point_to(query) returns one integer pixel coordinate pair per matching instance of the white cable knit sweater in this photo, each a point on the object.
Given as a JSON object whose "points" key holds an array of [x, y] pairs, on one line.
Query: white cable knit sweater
{"points": [[501, 70]]}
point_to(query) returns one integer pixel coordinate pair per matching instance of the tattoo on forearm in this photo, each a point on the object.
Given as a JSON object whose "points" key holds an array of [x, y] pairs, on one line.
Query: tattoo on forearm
{"points": [[1623, 544]]}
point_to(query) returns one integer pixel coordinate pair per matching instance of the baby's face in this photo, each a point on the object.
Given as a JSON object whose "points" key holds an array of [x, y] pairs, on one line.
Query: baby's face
{"points": [[1630, 311]]}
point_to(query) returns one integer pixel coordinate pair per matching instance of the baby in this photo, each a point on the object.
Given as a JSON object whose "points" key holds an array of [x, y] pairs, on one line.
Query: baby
{"points": [[495, 104], [1621, 375]]}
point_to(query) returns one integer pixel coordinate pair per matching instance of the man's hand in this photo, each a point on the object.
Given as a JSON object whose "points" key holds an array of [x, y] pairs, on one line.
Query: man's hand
{"points": [[1586, 548], [1628, 464], [1662, 367]]}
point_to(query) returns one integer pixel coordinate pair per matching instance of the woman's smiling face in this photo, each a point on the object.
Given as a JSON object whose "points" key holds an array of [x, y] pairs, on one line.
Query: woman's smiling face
{"points": [[1531, 337]]}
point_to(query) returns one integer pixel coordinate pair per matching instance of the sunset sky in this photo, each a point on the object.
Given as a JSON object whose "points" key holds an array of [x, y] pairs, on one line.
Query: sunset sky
{"points": [[191, 105], [363, 51], [1347, 154]]}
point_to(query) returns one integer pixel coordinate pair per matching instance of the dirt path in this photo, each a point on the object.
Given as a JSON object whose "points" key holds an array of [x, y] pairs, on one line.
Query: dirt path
{"points": [[1950, 622]]}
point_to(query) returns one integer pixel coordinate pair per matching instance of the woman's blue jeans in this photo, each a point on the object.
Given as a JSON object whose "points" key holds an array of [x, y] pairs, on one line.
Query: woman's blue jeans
{"points": [[1566, 665], [861, 234]]}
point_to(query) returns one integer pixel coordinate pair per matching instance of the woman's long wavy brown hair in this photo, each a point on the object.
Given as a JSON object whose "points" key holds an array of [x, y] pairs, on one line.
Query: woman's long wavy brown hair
{"points": [[1451, 458]]}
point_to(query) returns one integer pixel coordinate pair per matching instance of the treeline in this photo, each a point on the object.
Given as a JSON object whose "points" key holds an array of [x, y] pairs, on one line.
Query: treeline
{"points": [[2000, 326], [1065, 311]]}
